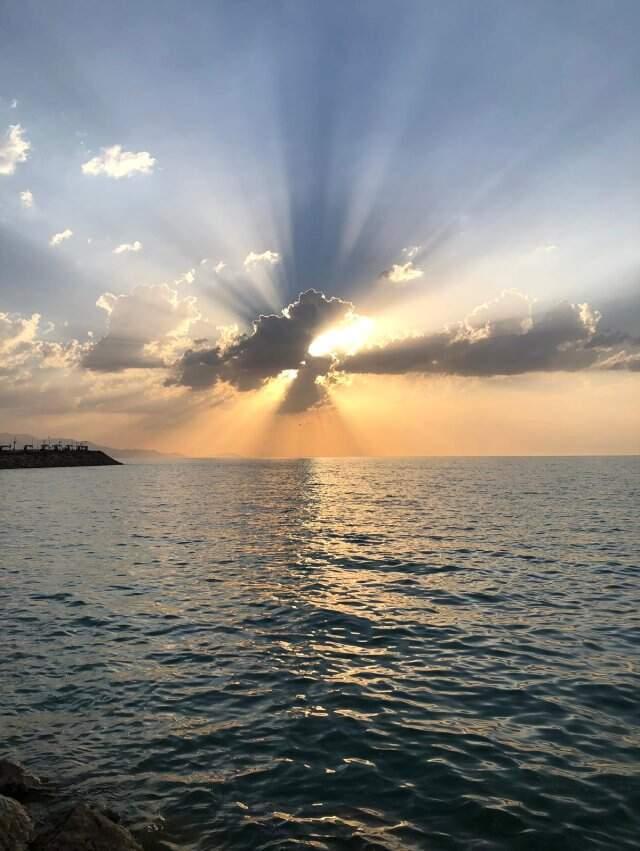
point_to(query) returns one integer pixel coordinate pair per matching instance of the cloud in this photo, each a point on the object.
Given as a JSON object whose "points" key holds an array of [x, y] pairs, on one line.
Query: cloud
{"points": [[402, 273], [217, 268], [16, 330], [411, 251], [308, 388], [116, 163], [14, 103], [58, 238], [276, 343], [148, 328], [26, 356], [128, 246], [623, 360], [14, 149], [497, 340], [43, 383], [187, 277], [269, 258], [504, 336], [510, 312], [150, 331], [44, 378], [26, 199]]}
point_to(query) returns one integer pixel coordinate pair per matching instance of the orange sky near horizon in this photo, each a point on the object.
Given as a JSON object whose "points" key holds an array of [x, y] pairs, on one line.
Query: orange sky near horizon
{"points": [[546, 414]]}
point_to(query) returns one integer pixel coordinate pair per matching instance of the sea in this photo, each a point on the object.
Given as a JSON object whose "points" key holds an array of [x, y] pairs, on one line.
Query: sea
{"points": [[379, 654]]}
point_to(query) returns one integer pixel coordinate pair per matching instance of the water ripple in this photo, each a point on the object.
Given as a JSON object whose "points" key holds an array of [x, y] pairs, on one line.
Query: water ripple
{"points": [[401, 654]]}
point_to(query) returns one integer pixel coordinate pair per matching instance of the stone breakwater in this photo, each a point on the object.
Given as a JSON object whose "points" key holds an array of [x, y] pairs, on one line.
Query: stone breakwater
{"points": [[79, 827], [19, 460]]}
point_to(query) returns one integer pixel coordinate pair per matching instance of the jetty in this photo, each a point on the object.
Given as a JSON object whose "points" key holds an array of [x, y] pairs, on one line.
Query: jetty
{"points": [[52, 455]]}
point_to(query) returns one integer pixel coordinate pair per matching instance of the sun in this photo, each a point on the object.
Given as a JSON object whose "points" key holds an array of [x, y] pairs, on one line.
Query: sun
{"points": [[344, 339]]}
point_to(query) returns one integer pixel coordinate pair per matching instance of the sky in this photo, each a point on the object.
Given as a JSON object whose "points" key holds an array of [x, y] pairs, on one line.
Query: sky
{"points": [[321, 228]]}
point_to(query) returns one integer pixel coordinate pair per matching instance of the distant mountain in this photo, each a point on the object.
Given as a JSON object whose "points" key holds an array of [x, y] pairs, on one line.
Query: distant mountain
{"points": [[7, 437]]}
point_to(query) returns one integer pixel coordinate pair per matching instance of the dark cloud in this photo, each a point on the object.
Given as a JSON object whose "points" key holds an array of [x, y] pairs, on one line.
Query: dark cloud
{"points": [[564, 338], [305, 391], [276, 342], [622, 308], [114, 353], [503, 337], [198, 368]]}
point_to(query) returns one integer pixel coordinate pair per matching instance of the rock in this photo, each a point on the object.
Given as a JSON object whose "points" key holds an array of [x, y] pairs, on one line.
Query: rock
{"points": [[112, 814], [85, 828], [16, 826], [16, 781]]}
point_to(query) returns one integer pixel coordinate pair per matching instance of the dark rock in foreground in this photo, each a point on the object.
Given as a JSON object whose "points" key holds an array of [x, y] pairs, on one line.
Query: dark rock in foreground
{"points": [[82, 828], [16, 781], [19, 460], [16, 827], [85, 828]]}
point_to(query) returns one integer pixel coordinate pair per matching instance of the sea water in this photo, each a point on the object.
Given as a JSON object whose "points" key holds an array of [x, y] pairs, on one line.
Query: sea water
{"points": [[331, 654]]}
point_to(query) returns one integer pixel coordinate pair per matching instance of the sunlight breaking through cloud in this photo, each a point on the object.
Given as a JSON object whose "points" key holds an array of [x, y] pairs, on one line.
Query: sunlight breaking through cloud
{"points": [[344, 339], [448, 219]]}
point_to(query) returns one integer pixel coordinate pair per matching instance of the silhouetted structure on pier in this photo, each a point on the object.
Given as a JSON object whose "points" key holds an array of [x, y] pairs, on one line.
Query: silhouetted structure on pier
{"points": [[51, 454]]}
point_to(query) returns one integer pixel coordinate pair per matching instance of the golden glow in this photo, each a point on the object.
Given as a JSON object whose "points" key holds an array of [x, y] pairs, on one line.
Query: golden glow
{"points": [[557, 414], [344, 339], [275, 388]]}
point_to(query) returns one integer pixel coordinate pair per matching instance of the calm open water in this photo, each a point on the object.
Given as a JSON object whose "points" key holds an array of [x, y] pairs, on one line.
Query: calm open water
{"points": [[331, 654]]}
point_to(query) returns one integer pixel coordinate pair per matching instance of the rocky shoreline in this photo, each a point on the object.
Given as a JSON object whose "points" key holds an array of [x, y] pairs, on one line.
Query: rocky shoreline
{"points": [[81, 826]]}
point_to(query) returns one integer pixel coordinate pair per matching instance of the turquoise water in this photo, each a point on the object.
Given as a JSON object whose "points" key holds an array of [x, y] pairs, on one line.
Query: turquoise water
{"points": [[331, 654]]}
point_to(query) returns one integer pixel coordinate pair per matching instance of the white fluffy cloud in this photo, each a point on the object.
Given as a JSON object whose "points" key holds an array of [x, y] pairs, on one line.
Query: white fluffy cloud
{"points": [[128, 246], [402, 273], [57, 238], [269, 258], [14, 149], [16, 330], [116, 163], [26, 198]]}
